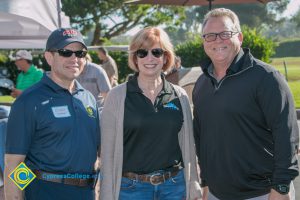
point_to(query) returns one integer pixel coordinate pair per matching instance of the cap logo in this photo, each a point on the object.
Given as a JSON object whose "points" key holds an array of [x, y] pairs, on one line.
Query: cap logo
{"points": [[62, 37], [70, 33]]}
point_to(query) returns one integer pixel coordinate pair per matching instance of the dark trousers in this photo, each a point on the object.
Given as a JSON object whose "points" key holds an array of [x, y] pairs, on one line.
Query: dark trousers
{"points": [[45, 190]]}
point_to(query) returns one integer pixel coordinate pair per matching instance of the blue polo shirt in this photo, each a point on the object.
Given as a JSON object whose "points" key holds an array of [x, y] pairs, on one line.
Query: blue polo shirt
{"points": [[56, 130]]}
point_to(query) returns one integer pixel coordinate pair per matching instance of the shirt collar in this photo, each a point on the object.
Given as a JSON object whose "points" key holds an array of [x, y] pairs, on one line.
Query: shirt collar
{"points": [[234, 67], [236, 63], [31, 69], [132, 85], [50, 83]]}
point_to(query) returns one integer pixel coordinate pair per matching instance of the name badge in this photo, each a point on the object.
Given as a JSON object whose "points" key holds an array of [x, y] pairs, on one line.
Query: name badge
{"points": [[61, 111]]}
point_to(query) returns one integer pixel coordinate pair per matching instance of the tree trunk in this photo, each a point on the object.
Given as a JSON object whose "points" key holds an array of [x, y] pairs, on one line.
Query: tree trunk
{"points": [[96, 38]]}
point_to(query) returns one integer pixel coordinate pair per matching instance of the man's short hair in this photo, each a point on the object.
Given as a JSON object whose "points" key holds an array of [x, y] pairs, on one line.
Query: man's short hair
{"points": [[223, 12], [103, 50]]}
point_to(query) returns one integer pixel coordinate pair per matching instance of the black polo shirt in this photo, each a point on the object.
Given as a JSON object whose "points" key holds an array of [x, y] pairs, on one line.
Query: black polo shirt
{"points": [[151, 131]]}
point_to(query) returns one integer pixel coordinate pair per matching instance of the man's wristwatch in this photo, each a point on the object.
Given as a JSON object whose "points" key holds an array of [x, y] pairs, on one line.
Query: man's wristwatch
{"points": [[282, 188]]}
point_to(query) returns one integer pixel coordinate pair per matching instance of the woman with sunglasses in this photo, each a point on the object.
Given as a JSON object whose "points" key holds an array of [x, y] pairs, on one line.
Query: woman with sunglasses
{"points": [[147, 145]]}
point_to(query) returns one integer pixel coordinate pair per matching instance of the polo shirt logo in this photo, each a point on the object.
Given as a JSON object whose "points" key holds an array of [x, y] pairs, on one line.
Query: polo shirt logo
{"points": [[90, 111], [171, 106]]}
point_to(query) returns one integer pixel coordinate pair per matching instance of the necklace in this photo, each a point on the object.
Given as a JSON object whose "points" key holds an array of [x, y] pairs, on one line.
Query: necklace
{"points": [[152, 92]]}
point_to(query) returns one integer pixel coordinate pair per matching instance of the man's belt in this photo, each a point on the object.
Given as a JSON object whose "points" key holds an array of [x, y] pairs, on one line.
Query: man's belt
{"points": [[60, 178], [153, 178]]}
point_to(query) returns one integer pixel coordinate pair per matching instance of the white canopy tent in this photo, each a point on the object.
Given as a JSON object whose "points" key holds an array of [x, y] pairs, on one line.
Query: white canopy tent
{"points": [[27, 24]]}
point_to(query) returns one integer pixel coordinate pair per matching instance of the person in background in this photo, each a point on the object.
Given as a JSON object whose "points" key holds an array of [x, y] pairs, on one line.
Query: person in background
{"points": [[245, 122], [147, 144], [29, 75], [109, 65], [94, 79], [177, 64], [53, 127]]}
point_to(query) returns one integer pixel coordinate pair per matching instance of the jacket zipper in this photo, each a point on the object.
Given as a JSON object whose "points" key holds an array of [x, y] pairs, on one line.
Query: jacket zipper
{"points": [[219, 85]]}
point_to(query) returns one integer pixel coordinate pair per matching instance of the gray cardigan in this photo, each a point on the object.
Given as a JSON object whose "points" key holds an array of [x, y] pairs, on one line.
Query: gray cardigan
{"points": [[111, 122]]}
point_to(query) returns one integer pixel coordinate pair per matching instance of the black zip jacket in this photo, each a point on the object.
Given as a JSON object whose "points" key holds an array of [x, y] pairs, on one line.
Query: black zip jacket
{"points": [[246, 130]]}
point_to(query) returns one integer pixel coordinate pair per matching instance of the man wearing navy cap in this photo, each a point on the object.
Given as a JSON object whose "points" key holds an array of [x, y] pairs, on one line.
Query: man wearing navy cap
{"points": [[54, 128]]}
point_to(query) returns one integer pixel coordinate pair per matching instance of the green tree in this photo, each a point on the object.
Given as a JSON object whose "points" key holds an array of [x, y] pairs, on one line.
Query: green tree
{"points": [[110, 18], [261, 47], [188, 29], [121, 59], [252, 14], [296, 18], [255, 15], [192, 52]]}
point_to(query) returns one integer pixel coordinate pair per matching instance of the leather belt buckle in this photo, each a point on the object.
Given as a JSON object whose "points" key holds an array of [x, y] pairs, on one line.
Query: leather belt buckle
{"points": [[156, 179]]}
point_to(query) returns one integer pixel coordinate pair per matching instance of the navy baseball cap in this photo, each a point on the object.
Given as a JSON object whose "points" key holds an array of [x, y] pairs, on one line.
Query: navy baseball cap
{"points": [[62, 37]]}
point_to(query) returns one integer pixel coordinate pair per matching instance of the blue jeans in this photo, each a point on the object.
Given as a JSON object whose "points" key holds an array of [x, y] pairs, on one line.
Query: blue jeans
{"points": [[171, 189]]}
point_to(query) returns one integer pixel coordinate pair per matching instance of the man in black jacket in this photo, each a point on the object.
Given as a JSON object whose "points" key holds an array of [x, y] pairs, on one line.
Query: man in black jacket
{"points": [[245, 123]]}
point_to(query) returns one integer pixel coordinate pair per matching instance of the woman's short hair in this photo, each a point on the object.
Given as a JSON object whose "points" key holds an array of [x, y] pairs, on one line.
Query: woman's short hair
{"points": [[223, 12], [145, 39]]}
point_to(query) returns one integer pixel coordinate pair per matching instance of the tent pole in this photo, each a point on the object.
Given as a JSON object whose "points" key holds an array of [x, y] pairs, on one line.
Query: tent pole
{"points": [[59, 13], [209, 4]]}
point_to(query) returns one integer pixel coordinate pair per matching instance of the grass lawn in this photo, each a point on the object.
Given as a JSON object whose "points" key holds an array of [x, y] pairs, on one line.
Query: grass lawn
{"points": [[295, 87], [292, 65], [293, 74]]}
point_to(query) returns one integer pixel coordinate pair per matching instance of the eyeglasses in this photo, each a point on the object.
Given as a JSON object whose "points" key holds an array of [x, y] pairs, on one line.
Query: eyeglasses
{"points": [[142, 53], [68, 53], [225, 35]]}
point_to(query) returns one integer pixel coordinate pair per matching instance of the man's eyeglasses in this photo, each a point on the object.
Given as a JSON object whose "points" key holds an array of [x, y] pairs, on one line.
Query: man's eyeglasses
{"points": [[142, 53], [225, 35], [68, 53]]}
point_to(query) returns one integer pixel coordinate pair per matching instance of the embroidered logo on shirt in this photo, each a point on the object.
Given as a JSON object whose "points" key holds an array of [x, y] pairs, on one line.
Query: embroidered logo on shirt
{"points": [[171, 106], [22, 176], [90, 111]]}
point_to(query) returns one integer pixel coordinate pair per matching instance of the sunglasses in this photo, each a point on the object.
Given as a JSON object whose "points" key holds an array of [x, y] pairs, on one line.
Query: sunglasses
{"points": [[142, 53], [68, 53]]}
